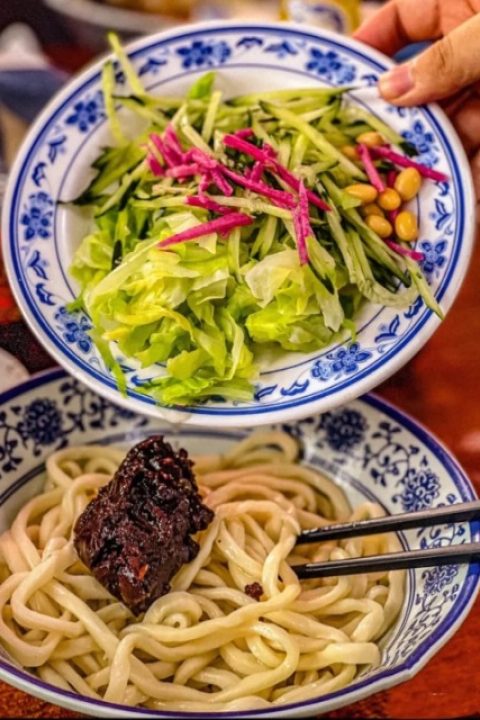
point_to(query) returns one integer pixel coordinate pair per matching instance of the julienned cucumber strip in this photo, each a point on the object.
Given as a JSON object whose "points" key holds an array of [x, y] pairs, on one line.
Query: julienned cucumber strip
{"points": [[108, 88], [203, 87], [355, 112], [316, 137], [124, 187], [377, 247], [318, 94], [111, 166], [135, 104], [126, 65], [370, 288], [423, 288], [286, 276]]}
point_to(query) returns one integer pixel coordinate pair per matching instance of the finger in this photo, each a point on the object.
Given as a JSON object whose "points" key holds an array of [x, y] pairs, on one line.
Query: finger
{"points": [[399, 23], [446, 67], [467, 124]]}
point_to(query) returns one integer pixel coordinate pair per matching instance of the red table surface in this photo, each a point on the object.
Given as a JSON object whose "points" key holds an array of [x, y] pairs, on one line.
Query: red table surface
{"points": [[439, 387]]}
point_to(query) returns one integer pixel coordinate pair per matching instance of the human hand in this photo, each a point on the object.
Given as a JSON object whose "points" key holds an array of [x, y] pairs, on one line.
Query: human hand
{"points": [[448, 71]]}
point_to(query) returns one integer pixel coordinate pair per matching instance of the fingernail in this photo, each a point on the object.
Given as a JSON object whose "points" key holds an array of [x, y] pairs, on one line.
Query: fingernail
{"points": [[397, 82]]}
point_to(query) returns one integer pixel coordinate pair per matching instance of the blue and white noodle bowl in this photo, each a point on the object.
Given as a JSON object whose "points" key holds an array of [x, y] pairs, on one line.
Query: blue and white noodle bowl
{"points": [[40, 235], [371, 450]]}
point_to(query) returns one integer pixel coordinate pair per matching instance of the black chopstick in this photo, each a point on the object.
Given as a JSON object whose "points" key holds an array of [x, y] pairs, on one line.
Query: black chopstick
{"points": [[452, 555], [460, 512]]}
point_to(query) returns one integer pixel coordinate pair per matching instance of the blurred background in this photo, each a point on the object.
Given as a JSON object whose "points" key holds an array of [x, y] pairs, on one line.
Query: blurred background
{"points": [[71, 31], [47, 40]]}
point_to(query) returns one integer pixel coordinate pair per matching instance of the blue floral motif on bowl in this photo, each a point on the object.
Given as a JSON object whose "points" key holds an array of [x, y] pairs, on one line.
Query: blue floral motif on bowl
{"points": [[204, 54], [86, 112], [52, 411], [37, 217], [344, 429], [288, 57], [434, 256], [331, 66], [421, 488], [75, 329]]}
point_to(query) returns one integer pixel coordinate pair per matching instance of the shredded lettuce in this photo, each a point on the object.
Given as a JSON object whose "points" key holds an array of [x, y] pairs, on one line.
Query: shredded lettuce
{"points": [[203, 311]]}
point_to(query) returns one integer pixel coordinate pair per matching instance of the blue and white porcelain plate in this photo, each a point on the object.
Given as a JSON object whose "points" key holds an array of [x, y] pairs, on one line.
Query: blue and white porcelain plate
{"points": [[40, 234], [374, 451]]}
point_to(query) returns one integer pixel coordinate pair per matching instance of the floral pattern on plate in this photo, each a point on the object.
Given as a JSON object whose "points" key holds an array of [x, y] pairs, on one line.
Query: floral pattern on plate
{"points": [[249, 56], [374, 451]]}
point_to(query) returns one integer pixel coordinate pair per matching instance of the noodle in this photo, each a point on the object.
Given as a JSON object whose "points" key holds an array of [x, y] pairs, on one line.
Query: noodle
{"points": [[207, 645]]}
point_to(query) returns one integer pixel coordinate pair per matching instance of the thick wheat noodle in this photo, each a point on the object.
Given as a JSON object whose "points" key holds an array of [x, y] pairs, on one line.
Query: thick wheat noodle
{"points": [[207, 645]]}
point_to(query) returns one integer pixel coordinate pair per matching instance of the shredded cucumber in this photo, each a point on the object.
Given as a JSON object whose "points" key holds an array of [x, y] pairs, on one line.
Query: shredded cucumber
{"points": [[208, 306]]}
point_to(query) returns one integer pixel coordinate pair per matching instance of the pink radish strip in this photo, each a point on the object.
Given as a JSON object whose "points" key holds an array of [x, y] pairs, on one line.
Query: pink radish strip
{"points": [[256, 172], [184, 171], [205, 202], [202, 158], [270, 150], [244, 133], [301, 221], [169, 157], [370, 168], [154, 165], [294, 183], [300, 238], [155, 153], [391, 178], [267, 155], [304, 210], [205, 183], [413, 254], [236, 143], [158, 143], [221, 183], [280, 197], [172, 141], [392, 215], [223, 226], [212, 171], [402, 161]]}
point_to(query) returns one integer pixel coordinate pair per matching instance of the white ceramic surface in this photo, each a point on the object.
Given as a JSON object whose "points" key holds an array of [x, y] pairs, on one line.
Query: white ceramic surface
{"points": [[12, 371], [371, 449], [40, 235]]}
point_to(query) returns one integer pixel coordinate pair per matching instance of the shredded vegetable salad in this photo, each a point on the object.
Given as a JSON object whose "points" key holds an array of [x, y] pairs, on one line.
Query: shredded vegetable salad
{"points": [[229, 231]]}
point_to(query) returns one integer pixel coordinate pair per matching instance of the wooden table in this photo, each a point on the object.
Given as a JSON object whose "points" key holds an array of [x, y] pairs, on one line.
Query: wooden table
{"points": [[440, 387]]}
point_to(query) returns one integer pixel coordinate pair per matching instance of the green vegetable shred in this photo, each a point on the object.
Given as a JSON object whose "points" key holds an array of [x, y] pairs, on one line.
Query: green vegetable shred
{"points": [[207, 256]]}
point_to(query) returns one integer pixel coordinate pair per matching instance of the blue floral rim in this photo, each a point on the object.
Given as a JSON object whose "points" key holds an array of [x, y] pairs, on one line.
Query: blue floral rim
{"points": [[296, 396], [402, 672]]}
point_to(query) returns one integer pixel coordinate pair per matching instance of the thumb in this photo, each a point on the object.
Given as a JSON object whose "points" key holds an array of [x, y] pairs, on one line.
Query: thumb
{"points": [[445, 68]]}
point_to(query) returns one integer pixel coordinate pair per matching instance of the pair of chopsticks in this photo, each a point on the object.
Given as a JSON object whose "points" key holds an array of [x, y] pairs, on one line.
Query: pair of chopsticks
{"points": [[429, 557]]}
